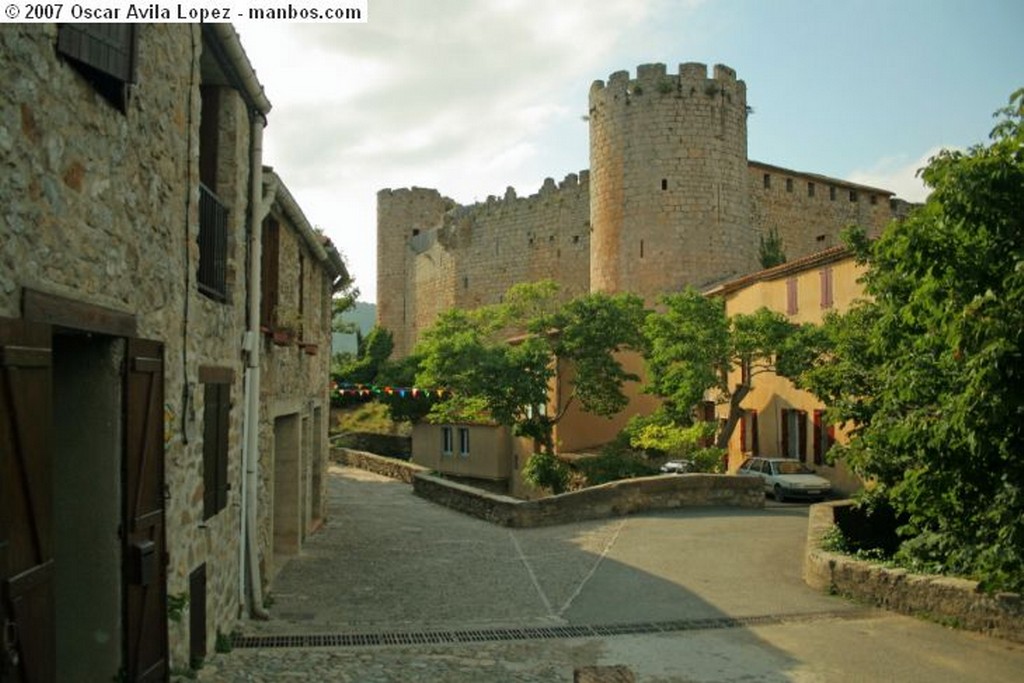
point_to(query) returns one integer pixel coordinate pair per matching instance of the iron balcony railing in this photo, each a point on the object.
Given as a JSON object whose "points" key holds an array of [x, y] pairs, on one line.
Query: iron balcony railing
{"points": [[213, 245]]}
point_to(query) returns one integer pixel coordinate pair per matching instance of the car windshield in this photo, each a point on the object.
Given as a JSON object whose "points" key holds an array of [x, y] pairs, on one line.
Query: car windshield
{"points": [[792, 468]]}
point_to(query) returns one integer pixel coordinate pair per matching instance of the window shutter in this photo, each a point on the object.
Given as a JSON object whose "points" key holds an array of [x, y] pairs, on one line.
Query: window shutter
{"points": [[223, 426], [743, 433], [754, 445], [801, 425], [791, 302], [817, 437], [785, 433], [211, 415]]}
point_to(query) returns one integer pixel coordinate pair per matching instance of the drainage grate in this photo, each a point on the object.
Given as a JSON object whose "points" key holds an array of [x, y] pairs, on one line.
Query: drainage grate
{"points": [[532, 633]]}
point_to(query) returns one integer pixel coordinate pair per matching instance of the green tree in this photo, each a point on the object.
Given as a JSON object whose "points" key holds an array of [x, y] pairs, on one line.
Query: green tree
{"points": [[691, 348], [930, 370], [374, 351], [496, 362]]}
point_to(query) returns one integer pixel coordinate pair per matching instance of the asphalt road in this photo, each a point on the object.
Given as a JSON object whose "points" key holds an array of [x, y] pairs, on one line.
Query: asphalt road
{"points": [[698, 595]]}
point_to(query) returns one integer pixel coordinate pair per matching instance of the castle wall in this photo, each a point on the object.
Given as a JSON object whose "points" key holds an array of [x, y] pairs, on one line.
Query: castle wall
{"points": [[669, 191], [440, 255], [809, 210]]}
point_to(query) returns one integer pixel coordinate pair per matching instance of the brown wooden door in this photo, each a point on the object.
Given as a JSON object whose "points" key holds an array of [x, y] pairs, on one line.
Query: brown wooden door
{"points": [[145, 568], [27, 616]]}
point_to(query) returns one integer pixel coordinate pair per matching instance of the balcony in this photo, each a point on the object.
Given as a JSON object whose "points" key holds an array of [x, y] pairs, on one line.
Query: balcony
{"points": [[213, 245]]}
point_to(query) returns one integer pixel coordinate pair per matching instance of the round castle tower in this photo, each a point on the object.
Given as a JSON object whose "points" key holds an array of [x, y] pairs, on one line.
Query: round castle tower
{"points": [[669, 185]]}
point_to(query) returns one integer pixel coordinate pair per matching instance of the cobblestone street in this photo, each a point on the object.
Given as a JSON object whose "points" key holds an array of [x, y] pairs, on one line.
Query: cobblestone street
{"points": [[397, 589]]}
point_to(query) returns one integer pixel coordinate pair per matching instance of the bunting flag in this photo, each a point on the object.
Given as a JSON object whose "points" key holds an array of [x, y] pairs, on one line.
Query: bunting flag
{"points": [[370, 390]]}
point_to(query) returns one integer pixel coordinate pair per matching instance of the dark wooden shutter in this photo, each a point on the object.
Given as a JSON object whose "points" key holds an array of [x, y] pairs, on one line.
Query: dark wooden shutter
{"points": [[801, 426], [197, 614], [223, 427], [108, 48], [743, 433], [755, 446], [269, 272], [791, 296], [819, 437], [145, 591], [784, 450], [27, 610]]}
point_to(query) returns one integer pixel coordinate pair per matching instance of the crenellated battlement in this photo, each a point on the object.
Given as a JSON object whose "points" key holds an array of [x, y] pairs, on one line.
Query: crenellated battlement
{"points": [[654, 79]]}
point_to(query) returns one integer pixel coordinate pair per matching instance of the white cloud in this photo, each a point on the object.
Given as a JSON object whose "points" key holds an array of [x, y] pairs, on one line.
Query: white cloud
{"points": [[897, 174]]}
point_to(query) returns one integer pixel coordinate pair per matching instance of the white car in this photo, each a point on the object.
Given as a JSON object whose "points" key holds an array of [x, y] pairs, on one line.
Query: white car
{"points": [[677, 467], [786, 478]]}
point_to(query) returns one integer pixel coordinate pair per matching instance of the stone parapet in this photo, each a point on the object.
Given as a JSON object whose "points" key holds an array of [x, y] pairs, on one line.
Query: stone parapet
{"points": [[386, 467], [949, 600], [613, 499]]}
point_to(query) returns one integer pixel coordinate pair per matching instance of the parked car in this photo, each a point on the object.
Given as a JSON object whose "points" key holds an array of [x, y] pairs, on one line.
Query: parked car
{"points": [[677, 467], [786, 478]]}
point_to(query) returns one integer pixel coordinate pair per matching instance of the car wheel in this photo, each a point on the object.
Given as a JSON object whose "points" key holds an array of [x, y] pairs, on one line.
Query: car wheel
{"points": [[778, 494]]}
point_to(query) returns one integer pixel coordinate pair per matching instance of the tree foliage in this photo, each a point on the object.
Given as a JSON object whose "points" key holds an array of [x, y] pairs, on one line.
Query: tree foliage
{"points": [[497, 362], [770, 252], [930, 370]]}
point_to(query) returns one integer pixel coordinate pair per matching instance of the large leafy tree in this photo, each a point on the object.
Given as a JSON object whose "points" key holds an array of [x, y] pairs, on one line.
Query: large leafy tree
{"points": [[929, 370], [497, 362], [692, 347]]}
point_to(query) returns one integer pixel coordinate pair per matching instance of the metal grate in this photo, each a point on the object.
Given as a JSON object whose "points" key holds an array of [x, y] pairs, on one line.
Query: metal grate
{"points": [[531, 633], [213, 245]]}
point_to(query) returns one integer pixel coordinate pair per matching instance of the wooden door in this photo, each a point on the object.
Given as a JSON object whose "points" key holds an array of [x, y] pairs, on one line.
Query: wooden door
{"points": [[27, 615], [145, 565]]}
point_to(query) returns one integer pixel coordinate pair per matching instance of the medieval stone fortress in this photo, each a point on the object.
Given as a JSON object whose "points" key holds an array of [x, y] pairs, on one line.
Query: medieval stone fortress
{"points": [[671, 199]]}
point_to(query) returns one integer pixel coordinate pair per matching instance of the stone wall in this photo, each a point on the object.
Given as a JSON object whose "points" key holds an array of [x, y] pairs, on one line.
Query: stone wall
{"points": [[607, 500], [387, 467], [808, 211], [952, 601]]}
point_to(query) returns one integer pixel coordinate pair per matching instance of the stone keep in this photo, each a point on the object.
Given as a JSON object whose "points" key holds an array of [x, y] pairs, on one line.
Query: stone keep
{"points": [[669, 180]]}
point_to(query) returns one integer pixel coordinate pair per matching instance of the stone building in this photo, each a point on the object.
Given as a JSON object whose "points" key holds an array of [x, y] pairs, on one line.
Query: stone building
{"points": [[130, 345], [670, 200], [299, 271]]}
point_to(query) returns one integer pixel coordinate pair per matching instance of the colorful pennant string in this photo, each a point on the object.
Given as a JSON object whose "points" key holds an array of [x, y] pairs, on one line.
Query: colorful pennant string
{"points": [[369, 390]]}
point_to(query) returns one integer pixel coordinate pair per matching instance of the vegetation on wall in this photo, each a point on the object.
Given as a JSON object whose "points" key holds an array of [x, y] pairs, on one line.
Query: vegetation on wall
{"points": [[771, 253], [930, 370]]}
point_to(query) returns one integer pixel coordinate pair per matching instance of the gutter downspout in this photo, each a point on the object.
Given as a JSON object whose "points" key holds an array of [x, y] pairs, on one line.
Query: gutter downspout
{"points": [[249, 549]]}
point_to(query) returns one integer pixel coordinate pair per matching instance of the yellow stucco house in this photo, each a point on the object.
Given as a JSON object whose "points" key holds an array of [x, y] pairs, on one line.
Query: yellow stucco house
{"points": [[780, 420]]}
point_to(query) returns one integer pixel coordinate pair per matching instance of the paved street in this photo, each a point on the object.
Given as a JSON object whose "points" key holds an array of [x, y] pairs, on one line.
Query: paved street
{"points": [[398, 589]]}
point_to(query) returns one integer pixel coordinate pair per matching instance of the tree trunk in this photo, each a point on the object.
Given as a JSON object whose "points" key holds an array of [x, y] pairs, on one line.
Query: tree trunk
{"points": [[735, 413]]}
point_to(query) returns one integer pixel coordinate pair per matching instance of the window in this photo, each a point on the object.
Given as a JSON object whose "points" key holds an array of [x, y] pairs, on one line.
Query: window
{"points": [[446, 440], [826, 287], [216, 424], [824, 437], [767, 181], [791, 300], [464, 442], [269, 272], [664, 184], [810, 189], [213, 212], [789, 184], [104, 54], [641, 248], [874, 200], [832, 193], [794, 434], [853, 195]]}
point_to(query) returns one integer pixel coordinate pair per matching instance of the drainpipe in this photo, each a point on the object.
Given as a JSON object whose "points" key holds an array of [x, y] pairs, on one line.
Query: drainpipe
{"points": [[250, 446]]}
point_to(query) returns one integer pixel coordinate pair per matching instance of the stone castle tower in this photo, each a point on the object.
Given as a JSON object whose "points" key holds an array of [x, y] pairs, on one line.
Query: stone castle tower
{"points": [[669, 180], [670, 200]]}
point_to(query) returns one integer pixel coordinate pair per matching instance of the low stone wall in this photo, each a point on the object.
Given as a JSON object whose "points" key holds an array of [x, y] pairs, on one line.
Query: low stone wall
{"points": [[607, 500], [953, 601], [382, 444], [378, 464]]}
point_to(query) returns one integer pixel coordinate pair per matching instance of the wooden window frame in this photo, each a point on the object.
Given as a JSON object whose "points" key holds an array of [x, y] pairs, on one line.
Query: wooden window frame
{"points": [[827, 294]]}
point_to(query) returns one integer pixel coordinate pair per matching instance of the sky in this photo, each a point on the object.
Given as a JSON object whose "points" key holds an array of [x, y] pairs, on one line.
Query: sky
{"points": [[472, 96]]}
